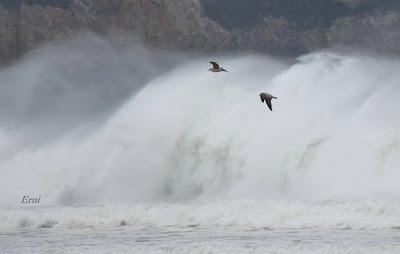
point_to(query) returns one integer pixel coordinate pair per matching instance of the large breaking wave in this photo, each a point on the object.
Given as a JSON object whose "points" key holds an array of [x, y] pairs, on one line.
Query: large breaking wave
{"points": [[132, 126]]}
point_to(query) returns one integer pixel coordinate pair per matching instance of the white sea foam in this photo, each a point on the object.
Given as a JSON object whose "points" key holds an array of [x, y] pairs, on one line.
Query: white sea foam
{"points": [[369, 215]]}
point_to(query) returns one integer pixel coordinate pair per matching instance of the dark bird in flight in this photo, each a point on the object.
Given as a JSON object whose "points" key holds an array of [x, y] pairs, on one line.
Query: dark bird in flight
{"points": [[216, 68], [266, 97]]}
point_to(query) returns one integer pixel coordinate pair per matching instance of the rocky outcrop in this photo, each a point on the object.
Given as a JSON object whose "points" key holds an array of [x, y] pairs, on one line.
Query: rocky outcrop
{"points": [[207, 25], [380, 31], [174, 23], [278, 36], [170, 24], [7, 35]]}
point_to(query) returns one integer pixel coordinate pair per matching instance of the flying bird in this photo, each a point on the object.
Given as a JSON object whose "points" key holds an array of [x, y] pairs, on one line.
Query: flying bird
{"points": [[216, 68], [266, 97]]}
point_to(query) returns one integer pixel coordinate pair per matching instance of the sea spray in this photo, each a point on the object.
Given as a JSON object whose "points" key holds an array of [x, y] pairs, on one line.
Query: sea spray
{"points": [[190, 135]]}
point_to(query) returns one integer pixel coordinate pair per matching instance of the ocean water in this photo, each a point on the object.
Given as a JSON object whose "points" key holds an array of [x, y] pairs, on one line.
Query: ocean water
{"points": [[217, 227], [138, 151]]}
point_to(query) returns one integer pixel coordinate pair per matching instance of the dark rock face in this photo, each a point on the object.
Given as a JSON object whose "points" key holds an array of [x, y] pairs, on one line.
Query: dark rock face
{"points": [[287, 27], [293, 27], [309, 14], [170, 24], [305, 14]]}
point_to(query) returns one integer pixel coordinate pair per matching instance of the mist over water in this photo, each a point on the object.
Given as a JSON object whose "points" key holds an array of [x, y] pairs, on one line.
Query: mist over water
{"points": [[72, 82], [89, 123]]}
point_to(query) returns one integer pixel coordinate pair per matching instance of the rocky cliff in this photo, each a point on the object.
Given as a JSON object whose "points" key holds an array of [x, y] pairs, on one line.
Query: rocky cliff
{"points": [[273, 26]]}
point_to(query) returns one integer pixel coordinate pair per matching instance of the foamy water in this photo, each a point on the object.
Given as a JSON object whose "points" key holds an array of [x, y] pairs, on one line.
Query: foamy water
{"points": [[328, 215], [149, 144]]}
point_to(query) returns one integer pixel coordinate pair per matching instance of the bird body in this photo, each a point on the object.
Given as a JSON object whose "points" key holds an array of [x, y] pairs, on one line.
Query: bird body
{"points": [[267, 98], [216, 68]]}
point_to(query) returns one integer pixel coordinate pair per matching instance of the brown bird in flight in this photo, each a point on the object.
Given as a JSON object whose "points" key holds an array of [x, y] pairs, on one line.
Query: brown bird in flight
{"points": [[266, 97], [216, 68]]}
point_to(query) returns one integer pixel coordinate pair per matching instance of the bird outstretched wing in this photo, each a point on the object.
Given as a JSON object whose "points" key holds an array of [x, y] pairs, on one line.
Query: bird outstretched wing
{"points": [[268, 101], [215, 65]]}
